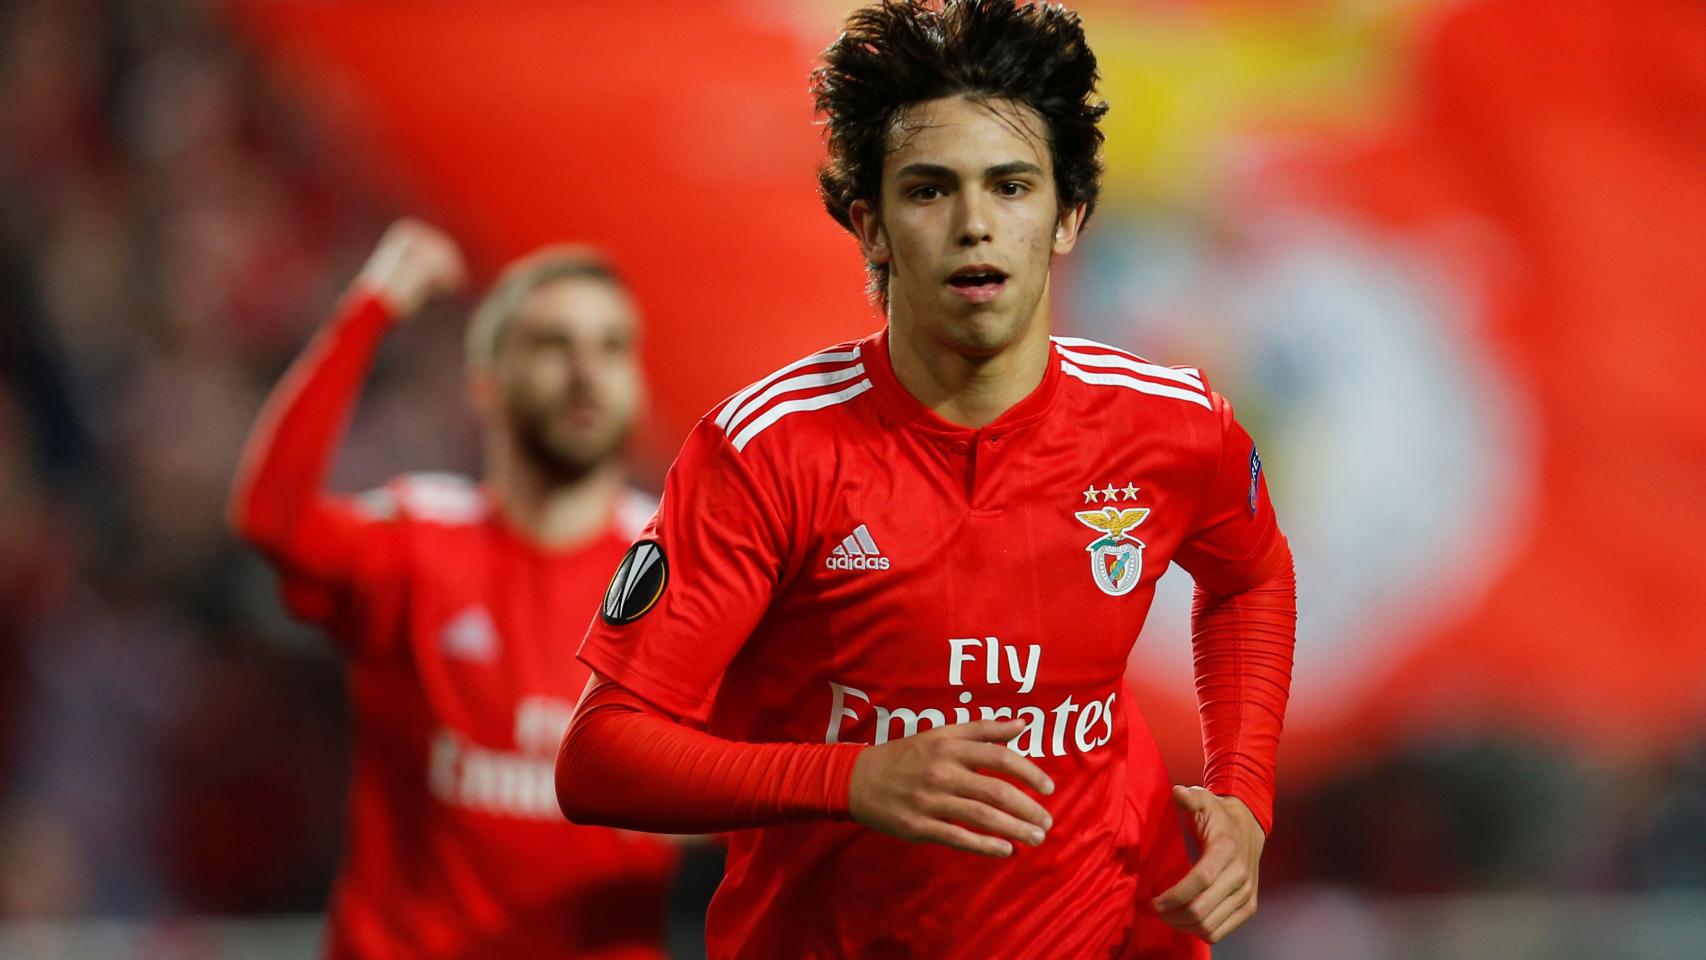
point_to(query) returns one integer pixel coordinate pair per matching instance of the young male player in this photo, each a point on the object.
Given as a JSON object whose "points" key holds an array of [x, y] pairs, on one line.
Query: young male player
{"points": [[898, 580], [455, 605]]}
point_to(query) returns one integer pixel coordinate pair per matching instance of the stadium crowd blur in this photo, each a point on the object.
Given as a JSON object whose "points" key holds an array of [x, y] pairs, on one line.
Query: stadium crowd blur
{"points": [[171, 230]]}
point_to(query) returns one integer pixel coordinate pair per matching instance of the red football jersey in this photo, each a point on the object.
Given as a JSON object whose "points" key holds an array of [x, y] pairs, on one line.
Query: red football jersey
{"points": [[459, 635], [462, 679], [835, 563]]}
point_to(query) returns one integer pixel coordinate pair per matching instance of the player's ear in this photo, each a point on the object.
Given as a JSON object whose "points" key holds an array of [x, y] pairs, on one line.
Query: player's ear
{"points": [[868, 227], [1066, 230]]}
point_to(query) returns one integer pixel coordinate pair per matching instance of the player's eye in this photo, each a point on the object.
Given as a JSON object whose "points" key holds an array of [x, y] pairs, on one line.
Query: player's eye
{"points": [[928, 191], [546, 343], [1012, 188]]}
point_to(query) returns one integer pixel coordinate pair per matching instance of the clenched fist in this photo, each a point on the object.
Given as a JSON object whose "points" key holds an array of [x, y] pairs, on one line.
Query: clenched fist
{"points": [[1219, 894], [412, 264]]}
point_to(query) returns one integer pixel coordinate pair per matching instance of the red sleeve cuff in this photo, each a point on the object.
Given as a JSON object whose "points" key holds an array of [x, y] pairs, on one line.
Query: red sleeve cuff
{"points": [[622, 764], [1258, 797]]}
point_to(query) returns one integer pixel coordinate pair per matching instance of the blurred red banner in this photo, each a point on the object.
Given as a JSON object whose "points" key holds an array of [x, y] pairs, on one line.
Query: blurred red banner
{"points": [[678, 135]]}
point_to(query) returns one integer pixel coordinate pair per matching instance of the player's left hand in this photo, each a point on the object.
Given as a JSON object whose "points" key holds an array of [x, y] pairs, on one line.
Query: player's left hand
{"points": [[1219, 893]]}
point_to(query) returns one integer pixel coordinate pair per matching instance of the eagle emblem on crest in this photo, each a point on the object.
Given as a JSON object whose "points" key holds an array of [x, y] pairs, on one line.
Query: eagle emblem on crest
{"points": [[1116, 557]]}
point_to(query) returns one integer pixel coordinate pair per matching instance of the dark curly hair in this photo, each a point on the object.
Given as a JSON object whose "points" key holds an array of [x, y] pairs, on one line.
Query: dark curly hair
{"points": [[897, 53]]}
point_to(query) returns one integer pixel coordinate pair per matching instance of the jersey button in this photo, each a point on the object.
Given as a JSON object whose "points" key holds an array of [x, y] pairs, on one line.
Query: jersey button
{"points": [[960, 446]]}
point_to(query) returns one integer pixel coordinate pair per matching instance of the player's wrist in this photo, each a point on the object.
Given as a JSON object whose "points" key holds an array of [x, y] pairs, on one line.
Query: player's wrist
{"points": [[1241, 804], [362, 313], [839, 761], [368, 300], [394, 302]]}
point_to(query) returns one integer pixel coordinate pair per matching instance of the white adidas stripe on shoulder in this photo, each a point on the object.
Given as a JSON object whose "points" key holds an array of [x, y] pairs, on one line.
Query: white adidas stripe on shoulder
{"points": [[1133, 383], [752, 411], [444, 498], [1124, 360], [739, 400], [1118, 368], [790, 385], [770, 416]]}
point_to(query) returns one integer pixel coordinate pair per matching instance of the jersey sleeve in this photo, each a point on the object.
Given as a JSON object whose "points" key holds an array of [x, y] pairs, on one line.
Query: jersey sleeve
{"points": [[698, 580], [623, 765], [1234, 541], [1242, 650], [351, 577], [340, 558]]}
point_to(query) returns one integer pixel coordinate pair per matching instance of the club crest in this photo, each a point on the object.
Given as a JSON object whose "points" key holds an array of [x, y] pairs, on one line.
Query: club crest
{"points": [[1116, 557]]}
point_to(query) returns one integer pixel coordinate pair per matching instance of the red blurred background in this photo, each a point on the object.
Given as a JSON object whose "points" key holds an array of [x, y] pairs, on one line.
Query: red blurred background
{"points": [[1544, 160]]}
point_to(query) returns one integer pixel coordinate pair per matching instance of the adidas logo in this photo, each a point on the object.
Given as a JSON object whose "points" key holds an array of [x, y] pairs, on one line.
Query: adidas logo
{"points": [[857, 552], [470, 636]]}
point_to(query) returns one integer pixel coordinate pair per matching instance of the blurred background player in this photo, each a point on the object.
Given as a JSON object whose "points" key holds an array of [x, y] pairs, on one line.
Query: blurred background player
{"points": [[459, 607], [868, 572]]}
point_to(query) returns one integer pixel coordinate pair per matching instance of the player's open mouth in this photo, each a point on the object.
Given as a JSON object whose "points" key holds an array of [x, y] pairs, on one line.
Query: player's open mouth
{"points": [[978, 283]]}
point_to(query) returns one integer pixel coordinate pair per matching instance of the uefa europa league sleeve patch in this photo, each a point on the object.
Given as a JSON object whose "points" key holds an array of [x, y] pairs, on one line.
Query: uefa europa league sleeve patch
{"points": [[1255, 475], [637, 585]]}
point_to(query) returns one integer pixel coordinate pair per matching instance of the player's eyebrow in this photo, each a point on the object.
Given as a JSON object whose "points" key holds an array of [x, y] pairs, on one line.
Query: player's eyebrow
{"points": [[932, 171], [1012, 169], [936, 171]]}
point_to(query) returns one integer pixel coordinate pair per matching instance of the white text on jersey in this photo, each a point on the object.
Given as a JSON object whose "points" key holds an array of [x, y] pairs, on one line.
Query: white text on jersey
{"points": [[1086, 724], [519, 783], [857, 551]]}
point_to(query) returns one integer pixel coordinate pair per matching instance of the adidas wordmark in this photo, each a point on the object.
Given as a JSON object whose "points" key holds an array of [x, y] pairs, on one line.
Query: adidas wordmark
{"points": [[857, 551]]}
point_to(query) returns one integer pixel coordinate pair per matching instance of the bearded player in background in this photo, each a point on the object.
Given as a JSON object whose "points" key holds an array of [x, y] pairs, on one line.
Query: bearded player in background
{"points": [[457, 607], [867, 578]]}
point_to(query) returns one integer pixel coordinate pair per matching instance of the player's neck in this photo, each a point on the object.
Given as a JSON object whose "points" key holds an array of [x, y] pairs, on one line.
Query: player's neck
{"points": [[548, 511], [968, 391]]}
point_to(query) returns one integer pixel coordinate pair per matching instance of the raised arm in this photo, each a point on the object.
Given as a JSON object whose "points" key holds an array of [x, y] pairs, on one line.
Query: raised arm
{"points": [[278, 503]]}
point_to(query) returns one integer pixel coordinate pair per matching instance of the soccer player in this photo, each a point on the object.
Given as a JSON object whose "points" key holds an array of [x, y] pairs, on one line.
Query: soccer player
{"points": [[897, 581], [458, 607]]}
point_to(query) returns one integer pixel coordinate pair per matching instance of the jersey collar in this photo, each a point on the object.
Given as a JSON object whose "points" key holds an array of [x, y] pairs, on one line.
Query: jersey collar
{"points": [[897, 400], [521, 542]]}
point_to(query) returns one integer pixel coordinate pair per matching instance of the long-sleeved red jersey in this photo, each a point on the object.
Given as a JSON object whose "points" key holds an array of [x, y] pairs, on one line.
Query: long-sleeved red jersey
{"points": [[833, 564], [460, 636]]}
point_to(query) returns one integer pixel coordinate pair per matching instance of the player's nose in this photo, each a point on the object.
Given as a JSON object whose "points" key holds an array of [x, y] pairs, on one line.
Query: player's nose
{"points": [[583, 366], [974, 221]]}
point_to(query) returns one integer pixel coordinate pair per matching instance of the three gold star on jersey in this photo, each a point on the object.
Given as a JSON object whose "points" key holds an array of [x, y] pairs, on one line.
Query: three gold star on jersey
{"points": [[1109, 493]]}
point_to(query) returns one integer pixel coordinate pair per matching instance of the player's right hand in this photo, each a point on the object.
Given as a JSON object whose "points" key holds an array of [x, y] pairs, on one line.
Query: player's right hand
{"points": [[929, 787], [413, 263]]}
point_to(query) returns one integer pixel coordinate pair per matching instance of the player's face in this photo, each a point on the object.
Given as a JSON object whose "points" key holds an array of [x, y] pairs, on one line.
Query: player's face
{"points": [[968, 223], [567, 376]]}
